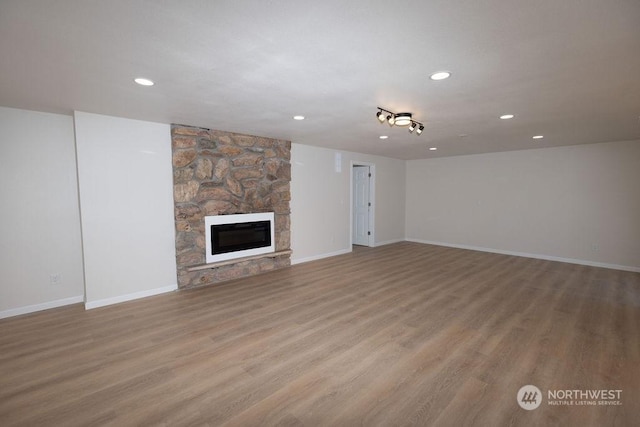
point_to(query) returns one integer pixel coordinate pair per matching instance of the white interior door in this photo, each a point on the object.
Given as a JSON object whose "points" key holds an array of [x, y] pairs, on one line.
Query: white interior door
{"points": [[361, 205]]}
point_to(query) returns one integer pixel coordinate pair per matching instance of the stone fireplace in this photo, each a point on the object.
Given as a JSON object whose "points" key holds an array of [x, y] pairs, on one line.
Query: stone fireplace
{"points": [[223, 173]]}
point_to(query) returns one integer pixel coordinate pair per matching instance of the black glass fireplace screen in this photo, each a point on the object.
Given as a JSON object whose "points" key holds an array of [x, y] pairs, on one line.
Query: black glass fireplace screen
{"points": [[227, 238]]}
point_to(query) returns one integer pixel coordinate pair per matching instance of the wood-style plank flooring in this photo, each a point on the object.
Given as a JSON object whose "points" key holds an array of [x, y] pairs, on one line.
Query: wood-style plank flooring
{"points": [[404, 334]]}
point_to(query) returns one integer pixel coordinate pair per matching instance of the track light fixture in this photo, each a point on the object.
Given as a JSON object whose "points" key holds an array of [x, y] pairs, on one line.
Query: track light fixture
{"points": [[399, 119]]}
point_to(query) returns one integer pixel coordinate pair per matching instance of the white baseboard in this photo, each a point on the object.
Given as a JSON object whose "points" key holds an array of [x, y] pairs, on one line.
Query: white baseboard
{"points": [[340, 252], [129, 297], [389, 242], [321, 256], [528, 255], [39, 307]]}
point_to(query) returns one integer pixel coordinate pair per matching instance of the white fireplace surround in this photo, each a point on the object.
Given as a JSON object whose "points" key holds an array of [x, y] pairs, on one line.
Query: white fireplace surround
{"points": [[237, 219]]}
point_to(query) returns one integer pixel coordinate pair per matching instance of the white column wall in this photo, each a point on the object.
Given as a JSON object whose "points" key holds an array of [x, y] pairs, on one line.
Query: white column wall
{"points": [[126, 200]]}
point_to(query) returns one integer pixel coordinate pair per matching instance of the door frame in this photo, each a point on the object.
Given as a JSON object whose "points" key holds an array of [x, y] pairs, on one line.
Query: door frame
{"points": [[372, 193]]}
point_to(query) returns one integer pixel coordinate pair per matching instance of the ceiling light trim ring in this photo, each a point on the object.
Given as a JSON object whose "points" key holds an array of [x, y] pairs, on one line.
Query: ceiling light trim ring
{"points": [[440, 75], [142, 81]]}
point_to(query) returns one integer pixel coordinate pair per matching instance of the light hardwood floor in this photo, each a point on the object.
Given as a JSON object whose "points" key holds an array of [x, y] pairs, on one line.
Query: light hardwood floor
{"points": [[404, 334]]}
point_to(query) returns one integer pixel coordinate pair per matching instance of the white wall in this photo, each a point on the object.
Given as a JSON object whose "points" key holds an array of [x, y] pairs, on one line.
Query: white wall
{"points": [[573, 203], [578, 202], [320, 201], [39, 219], [126, 200]]}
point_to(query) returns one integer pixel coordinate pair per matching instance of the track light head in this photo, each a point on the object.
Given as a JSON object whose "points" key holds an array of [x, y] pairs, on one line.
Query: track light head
{"points": [[412, 127], [380, 116], [420, 129], [391, 119]]}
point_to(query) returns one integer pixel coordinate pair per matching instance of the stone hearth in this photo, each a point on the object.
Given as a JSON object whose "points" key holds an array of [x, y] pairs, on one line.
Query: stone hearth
{"points": [[219, 173]]}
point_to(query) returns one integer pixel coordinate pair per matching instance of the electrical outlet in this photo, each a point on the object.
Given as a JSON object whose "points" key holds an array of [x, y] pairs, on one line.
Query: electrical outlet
{"points": [[55, 278]]}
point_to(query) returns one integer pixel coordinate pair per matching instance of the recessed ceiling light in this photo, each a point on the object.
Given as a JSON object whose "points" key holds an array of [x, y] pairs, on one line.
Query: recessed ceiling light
{"points": [[507, 116], [383, 137], [143, 82], [433, 148], [440, 75], [538, 137], [298, 117]]}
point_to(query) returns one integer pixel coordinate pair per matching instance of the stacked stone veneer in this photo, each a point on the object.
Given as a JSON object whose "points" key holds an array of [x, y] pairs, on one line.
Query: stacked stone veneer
{"points": [[219, 173]]}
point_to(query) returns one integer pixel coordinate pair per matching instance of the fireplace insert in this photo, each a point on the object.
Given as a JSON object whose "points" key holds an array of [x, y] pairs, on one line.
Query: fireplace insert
{"points": [[235, 236], [240, 236]]}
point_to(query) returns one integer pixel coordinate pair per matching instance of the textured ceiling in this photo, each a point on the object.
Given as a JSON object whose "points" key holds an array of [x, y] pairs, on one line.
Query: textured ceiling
{"points": [[569, 69]]}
